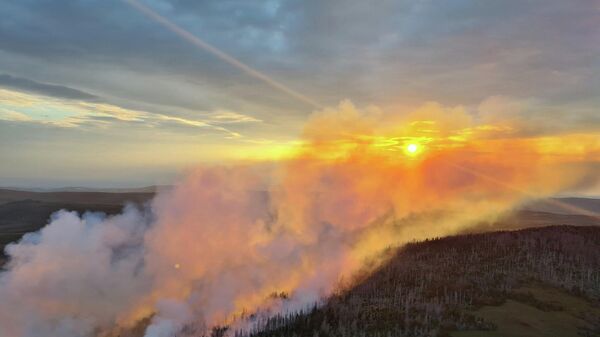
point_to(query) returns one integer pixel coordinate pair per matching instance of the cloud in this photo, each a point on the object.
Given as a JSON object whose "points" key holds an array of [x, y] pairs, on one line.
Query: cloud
{"points": [[15, 116], [402, 52], [31, 108], [43, 88], [334, 50], [397, 55], [215, 247], [225, 117]]}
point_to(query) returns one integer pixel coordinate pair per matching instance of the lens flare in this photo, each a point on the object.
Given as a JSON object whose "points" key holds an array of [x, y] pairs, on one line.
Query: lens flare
{"points": [[199, 43]]}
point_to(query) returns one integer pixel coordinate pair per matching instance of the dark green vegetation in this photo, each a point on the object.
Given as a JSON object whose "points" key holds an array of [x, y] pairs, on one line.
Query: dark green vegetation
{"points": [[478, 283]]}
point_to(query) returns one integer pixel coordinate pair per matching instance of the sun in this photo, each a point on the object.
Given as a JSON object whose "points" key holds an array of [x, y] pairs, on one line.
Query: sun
{"points": [[412, 148]]}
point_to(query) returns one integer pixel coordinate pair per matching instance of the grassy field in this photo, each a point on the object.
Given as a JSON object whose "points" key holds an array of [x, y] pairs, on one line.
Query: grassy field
{"points": [[561, 314]]}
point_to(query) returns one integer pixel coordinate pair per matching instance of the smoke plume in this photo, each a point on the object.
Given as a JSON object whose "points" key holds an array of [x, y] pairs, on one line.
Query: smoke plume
{"points": [[228, 241]]}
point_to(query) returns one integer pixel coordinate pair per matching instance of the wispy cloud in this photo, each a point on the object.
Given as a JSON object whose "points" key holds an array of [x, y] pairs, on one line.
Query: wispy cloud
{"points": [[30, 108], [96, 70], [10, 115], [53, 90], [224, 117]]}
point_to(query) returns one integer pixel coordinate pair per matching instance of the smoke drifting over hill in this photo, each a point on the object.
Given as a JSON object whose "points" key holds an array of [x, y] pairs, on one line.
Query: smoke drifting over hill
{"points": [[218, 245]]}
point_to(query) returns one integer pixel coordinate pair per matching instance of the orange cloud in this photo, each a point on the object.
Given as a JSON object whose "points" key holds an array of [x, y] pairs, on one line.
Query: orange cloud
{"points": [[225, 238]]}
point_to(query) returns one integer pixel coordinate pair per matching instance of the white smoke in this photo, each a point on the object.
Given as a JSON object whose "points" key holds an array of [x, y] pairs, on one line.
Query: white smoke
{"points": [[216, 247], [74, 275]]}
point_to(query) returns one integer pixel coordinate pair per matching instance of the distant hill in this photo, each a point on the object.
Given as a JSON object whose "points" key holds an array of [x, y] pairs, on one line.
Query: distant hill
{"points": [[25, 211], [76, 197], [23, 216], [529, 219], [564, 206], [144, 189]]}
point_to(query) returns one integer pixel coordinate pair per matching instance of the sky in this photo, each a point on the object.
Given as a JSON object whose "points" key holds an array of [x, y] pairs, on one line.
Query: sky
{"points": [[100, 93]]}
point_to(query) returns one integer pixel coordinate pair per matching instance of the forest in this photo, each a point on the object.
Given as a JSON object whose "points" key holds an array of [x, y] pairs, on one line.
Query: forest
{"points": [[432, 288]]}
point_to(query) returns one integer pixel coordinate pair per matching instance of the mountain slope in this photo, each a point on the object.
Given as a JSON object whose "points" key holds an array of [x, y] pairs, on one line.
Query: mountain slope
{"points": [[435, 287]]}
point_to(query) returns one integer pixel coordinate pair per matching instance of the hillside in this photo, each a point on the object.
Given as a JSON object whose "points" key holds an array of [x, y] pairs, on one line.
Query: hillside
{"points": [[76, 197], [483, 284], [26, 211]]}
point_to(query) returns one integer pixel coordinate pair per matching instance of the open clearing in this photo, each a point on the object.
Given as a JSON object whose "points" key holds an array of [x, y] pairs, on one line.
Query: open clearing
{"points": [[518, 319]]}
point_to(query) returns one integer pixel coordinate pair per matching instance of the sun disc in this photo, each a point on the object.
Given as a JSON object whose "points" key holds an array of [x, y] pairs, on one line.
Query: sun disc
{"points": [[412, 148]]}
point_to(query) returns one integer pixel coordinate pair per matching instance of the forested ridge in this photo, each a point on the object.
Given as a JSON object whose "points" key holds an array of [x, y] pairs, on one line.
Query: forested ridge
{"points": [[431, 288]]}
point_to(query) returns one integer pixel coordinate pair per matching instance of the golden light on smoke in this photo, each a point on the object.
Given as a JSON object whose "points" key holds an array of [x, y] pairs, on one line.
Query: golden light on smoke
{"points": [[352, 186]]}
